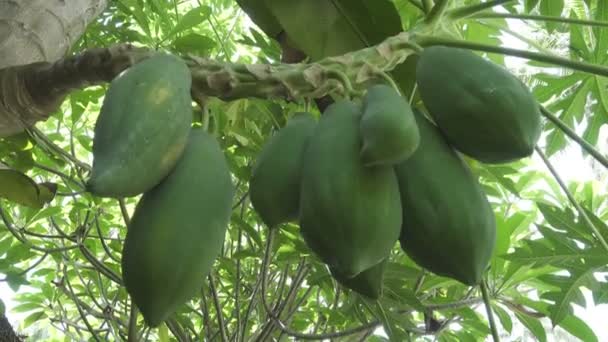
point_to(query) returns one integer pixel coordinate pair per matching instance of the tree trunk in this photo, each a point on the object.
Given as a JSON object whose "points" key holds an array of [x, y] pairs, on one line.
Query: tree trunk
{"points": [[40, 31], [7, 334]]}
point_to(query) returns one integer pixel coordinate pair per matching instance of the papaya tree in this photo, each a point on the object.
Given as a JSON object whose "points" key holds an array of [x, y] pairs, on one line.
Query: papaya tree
{"points": [[269, 170]]}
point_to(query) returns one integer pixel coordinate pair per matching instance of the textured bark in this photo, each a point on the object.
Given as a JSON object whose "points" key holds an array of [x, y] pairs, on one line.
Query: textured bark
{"points": [[36, 31], [29, 93], [7, 334], [42, 30]]}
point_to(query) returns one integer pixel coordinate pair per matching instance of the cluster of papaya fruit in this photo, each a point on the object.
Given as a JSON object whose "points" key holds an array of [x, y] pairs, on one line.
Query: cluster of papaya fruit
{"points": [[144, 143], [369, 174]]}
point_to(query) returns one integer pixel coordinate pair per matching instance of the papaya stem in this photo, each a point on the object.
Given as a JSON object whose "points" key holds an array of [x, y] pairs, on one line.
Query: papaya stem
{"points": [[417, 4], [427, 5], [496, 15], [426, 40], [466, 11], [132, 334], [437, 12], [218, 309], [486, 298], [570, 133], [530, 42], [572, 200]]}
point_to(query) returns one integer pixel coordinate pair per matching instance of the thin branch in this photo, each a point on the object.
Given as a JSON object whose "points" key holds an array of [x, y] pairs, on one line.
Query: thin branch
{"points": [[495, 15], [486, 298], [463, 12], [437, 12], [426, 40], [132, 334], [282, 326], [82, 314], [427, 5], [573, 201], [417, 4], [124, 211], [570, 133], [218, 309]]}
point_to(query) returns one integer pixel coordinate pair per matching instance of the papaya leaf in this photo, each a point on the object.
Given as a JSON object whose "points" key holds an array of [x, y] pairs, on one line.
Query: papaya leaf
{"points": [[19, 188], [601, 36], [191, 19], [569, 288], [194, 43], [551, 8], [533, 325], [503, 317], [578, 328]]}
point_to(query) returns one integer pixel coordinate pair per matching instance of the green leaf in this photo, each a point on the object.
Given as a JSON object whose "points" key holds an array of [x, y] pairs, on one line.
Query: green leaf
{"points": [[19, 188], [194, 43], [34, 317], [163, 333], [25, 307], [578, 328], [569, 289], [530, 5], [504, 317], [551, 8], [533, 325], [191, 19]]}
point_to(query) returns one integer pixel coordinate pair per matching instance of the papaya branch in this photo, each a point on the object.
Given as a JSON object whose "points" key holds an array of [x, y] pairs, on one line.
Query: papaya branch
{"points": [[218, 309], [486, 299], [570, 133], [427, 5], [595, 231], [465, 11], [29, 93], [15, 232], [417, 4], [437, 11], [521, 37], [426, 40], [495, 15]]}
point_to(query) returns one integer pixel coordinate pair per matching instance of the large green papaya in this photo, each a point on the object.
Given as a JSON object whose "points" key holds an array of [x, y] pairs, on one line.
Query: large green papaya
{"points": [[274, 187], [388, 127], [448, 225], [482, 109], [350, 215], [367, 283], [177, 230], [142, 128]]}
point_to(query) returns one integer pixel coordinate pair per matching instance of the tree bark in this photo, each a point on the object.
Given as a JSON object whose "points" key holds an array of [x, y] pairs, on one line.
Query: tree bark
{"points": [[7, 334], [40, 31]]}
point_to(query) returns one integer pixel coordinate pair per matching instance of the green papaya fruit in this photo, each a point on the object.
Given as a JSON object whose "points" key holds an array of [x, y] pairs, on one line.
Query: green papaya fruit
{"points": [[142, 127], [350, 215], [388, 127], [274, 187], [367, 283], [177, 230], [449, 227], [483, 110]]}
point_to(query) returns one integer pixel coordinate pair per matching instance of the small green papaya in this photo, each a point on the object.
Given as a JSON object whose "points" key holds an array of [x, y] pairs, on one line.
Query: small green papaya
{"points": [[367, 283], [483, 110], [274, 187], [142, 128], [449, 227], [177, 230], [388, 128], [350, 215]]}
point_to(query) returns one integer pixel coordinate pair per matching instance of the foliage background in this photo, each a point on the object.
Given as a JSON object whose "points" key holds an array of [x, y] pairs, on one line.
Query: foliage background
{"points": [[545, 253]]}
